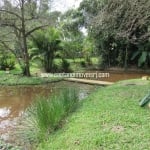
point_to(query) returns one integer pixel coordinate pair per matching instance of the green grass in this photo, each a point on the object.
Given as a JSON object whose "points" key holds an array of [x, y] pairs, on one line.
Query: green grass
{"points": [[11, 79], [47, 114], [4, 146], [109, 118], [16, 78]]}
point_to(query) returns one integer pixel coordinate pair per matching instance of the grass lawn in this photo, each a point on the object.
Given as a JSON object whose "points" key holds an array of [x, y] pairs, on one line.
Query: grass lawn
{"points": [[16, 78], [11, 79], [110, 118]]}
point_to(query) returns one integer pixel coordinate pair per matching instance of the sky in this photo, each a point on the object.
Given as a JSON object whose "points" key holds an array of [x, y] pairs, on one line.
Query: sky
{"points": [[63, 5]]}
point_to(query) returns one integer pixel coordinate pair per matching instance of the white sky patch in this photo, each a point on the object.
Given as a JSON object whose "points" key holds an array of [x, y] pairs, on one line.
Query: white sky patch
{"points": [[84, 31], [58, 5], [64, 5]]}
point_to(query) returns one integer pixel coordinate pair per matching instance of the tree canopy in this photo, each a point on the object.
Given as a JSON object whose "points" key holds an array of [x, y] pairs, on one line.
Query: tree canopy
{"points": [[128, 19], [18, 20], [119, 28]]}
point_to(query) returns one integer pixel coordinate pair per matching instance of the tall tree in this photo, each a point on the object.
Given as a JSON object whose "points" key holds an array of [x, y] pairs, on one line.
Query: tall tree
{"points": [[118, 24], [128, 19], [70, 24], [18, 20], [45, 6]]}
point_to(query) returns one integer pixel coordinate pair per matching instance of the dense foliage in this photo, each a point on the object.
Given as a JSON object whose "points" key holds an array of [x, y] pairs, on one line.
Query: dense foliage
{"points": [[7, 62], [120, 29], [44, 45], [18, 20], [117, 31]]}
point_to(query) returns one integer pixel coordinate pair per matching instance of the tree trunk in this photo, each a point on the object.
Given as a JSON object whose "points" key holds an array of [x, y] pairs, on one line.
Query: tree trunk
{"points": [[26, 71], [27, 67], [126, 59]]}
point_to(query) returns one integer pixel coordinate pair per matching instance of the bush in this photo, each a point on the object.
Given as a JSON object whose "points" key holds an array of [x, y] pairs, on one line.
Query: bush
{"points": [[7, 62], [46, 115], [88, 60], [101, 63], [65, 66], [83, 64], [55, 68]]}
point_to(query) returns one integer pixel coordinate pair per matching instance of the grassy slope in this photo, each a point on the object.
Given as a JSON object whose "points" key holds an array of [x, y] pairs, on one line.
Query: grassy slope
{"points": [[109, 119]]}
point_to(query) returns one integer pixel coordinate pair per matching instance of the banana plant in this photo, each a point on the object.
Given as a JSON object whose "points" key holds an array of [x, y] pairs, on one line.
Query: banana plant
{"points": [[143, 54]]}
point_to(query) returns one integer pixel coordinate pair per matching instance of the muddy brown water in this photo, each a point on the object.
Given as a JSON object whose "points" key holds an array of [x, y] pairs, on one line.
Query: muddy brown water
{"points": [[113, 76], [15, 99]]}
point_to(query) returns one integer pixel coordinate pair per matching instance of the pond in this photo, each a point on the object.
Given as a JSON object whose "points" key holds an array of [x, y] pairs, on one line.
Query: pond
{"points": [[15, 99], [115, 76]]}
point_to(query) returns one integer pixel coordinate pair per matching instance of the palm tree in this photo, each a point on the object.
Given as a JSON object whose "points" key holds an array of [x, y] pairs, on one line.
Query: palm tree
{"points": [[44, 45]]}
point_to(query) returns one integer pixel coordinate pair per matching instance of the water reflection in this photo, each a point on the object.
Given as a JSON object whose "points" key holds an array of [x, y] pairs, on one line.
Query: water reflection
{"points": [[4, 112]]}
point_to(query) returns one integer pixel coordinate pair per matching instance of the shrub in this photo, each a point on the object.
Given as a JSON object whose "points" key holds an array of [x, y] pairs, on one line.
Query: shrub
{"points": [[65, 66], [88, 60], [101, 63], [83, 64], [55, 68], [7, 62], [46, 115]]}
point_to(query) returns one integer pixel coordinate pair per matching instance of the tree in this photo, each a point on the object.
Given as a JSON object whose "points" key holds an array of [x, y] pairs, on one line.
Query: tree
{"points": [[89, 9], [72, 39], [72, 46], [123, 23], [128, 19], [101, 40], [44, 45], [44, 6], [18, 20]]}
